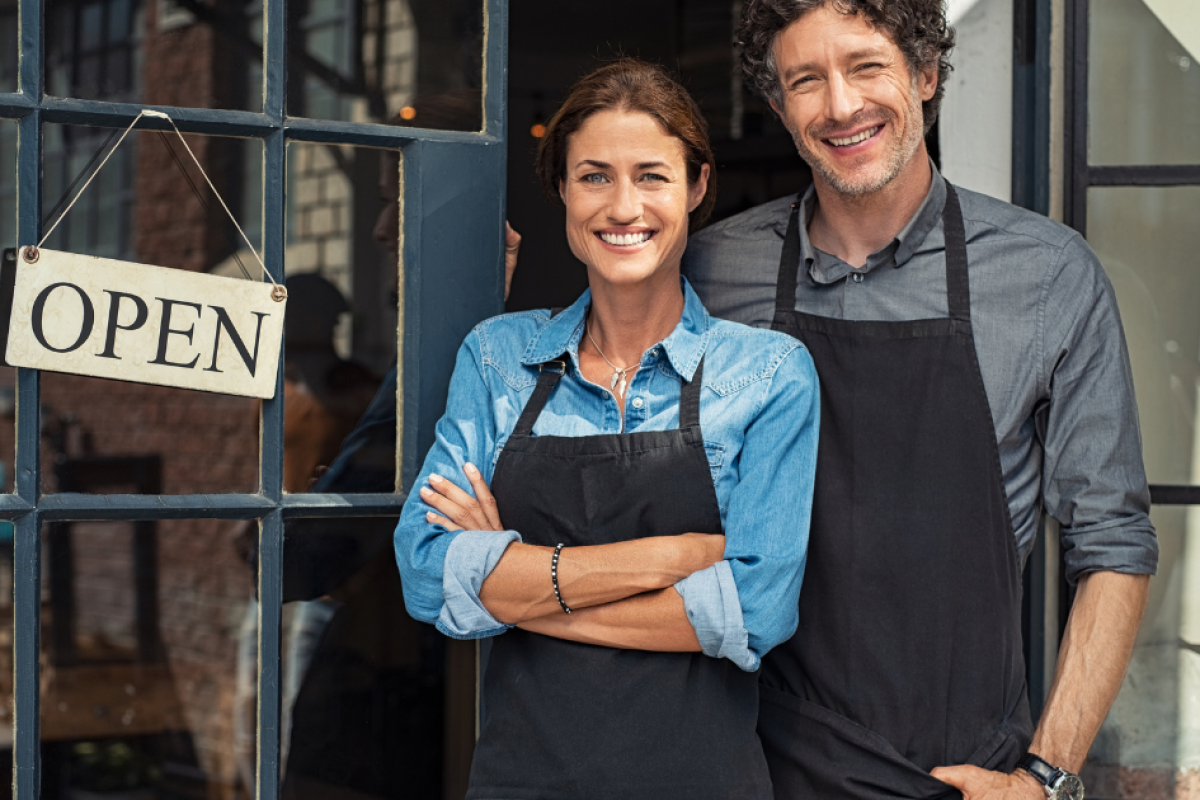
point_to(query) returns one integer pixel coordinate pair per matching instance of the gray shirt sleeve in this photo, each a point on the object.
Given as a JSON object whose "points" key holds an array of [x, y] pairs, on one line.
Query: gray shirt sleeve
{"points": [[1093, 480]]}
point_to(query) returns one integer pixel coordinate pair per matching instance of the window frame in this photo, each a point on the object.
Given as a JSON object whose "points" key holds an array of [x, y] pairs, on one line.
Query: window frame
{"points": [[1080, 175], [440, 171]]}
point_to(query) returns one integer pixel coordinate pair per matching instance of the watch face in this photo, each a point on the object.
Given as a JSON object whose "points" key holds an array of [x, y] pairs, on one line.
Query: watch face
{"points": [[1069, 788]]}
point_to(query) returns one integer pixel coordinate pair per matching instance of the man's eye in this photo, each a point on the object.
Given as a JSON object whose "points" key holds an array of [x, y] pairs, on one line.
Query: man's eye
{"points": [[869, 66]]}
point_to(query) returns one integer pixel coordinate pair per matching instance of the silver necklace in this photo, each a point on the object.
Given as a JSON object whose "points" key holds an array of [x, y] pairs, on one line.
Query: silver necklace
{"points": [[618, 381]]}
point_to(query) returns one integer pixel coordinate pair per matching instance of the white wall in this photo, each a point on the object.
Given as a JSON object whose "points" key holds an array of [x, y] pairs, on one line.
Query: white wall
{"points": [[976, 116]]}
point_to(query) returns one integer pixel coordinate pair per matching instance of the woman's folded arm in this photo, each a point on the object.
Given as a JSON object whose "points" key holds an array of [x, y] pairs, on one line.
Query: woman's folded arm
{"points": [[464, 573]]}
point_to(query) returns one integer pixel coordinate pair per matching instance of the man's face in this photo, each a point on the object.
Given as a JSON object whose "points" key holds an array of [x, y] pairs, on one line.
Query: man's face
{"points": [[849, 100]]}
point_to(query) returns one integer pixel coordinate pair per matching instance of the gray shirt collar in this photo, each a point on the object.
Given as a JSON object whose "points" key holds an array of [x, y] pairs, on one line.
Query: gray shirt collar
{"points": [[825, 268]]}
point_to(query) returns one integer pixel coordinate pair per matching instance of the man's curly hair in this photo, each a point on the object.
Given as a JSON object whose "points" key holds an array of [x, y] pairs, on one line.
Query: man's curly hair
{"points": [[918, 27]]}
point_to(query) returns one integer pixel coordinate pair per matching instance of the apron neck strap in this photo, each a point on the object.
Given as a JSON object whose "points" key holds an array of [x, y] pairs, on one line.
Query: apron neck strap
{"points": [[549, 374], [689, 399], [789, 264], [958, 286]]}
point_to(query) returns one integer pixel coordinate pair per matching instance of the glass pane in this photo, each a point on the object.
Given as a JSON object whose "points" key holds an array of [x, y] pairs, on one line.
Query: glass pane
{"points": [[416, 62], [8, 45], [148, 665], [1147, 239], [1144, 92], [160, 52], [376, 705], [343, 278], [144, 207]]}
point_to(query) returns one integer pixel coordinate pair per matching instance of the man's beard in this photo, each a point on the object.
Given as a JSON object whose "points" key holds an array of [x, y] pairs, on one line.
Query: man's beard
{"points": [[900, 151]]}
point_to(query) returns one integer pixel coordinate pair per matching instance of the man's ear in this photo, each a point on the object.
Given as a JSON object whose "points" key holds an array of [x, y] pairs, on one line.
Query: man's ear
{"points": [[929, 81], [778, 111], [698, 189]]}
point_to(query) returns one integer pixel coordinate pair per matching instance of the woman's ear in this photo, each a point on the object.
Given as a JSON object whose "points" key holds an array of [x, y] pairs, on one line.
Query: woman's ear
{"points": [[698, 189], [562, 191]]}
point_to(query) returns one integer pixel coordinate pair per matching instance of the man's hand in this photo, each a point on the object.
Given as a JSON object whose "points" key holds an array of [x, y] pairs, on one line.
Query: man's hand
{"points": [[981, 784], [512, 245]]}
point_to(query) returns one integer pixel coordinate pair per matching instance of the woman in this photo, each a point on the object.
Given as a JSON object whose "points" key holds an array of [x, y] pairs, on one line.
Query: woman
{"points": [[620, 437]]}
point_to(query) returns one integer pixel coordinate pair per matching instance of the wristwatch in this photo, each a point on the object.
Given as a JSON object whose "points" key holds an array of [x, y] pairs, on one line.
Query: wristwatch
{"points": [[1059, 784]]}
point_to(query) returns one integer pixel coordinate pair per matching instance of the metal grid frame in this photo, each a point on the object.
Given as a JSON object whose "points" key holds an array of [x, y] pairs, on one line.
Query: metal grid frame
{"points": [[452, 209], [1080, 175]]}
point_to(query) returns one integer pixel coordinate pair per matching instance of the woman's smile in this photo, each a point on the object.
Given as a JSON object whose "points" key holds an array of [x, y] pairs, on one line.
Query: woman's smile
{"points": [[623, 240]]}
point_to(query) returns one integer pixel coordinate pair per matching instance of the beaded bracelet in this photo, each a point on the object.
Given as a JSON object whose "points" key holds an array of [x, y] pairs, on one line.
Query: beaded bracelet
{"points": [[554, 578]]}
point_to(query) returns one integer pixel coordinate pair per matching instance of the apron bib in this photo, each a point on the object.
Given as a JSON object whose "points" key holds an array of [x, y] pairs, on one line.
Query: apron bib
{"points": [[908, 655], [567, 720]]}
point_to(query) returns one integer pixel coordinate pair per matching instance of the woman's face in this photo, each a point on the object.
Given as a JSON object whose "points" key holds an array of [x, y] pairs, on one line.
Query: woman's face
{"points": [[627, 196]]}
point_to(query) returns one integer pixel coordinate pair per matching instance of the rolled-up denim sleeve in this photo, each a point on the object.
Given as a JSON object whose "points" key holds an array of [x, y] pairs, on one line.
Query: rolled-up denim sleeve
{"points": [[441, 571], [470, 558], [1094, 481], [748, 603], [714, 608]]}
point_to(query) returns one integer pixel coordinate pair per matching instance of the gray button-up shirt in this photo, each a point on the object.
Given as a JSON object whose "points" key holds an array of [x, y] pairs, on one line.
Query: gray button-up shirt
{"points": [[1047, 333]]}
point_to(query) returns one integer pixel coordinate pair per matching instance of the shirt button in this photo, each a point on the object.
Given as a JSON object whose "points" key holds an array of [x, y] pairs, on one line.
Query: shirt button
{"points": [[857, 276], [637, 402], [654, 352]]}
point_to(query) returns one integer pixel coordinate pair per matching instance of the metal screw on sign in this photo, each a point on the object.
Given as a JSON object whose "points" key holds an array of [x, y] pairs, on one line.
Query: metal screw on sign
{"points": [[30, 254], [279, 294]]}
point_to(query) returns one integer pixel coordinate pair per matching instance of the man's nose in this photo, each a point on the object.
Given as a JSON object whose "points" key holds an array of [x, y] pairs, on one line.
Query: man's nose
{"points": [[842, 100]]}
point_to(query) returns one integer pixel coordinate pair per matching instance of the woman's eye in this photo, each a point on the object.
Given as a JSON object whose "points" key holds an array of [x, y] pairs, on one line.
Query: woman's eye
{"points": [[654, 176], [594, 177]]}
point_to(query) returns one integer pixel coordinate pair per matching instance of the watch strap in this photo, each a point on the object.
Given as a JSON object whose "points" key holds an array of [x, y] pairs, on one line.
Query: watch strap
{"points": [[1043, 771]]}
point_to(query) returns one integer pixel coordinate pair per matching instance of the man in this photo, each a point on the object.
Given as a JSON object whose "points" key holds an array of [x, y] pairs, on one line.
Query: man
{"points": [[955, 404]]}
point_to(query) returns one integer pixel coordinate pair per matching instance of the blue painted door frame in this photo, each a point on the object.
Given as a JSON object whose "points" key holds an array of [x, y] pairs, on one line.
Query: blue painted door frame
{"points": [[453, 188]]}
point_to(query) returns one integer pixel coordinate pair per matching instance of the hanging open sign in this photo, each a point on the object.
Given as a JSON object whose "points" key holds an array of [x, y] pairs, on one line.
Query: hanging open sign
{"points": [[134, 322]]}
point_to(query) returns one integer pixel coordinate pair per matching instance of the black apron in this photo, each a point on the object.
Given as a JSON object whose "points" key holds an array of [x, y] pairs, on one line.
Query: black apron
{"points": [[567, 720], [908, 655]]}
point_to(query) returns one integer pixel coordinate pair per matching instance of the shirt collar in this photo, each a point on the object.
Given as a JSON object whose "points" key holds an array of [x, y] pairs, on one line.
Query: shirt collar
{"points": [[825, 268], [683, 347]]}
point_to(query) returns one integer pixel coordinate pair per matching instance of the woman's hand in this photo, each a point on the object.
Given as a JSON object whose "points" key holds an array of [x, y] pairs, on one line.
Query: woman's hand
{"points": [[459, 510]]}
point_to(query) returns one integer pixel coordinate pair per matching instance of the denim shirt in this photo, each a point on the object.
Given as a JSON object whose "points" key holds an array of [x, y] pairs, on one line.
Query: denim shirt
{"points": [[759, 414]]}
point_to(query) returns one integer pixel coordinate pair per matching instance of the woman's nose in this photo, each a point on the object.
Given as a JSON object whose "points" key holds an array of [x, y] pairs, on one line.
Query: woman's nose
{"points": [[627, 203]]}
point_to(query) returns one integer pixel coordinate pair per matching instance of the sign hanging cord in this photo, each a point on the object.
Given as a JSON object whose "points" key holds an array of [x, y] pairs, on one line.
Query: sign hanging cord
{"points": [[149, 113]]}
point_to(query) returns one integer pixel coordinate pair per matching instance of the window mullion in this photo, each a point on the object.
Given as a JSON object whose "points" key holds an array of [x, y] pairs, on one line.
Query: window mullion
{"points": [[30, 62], [27, 568], [270, 610]]}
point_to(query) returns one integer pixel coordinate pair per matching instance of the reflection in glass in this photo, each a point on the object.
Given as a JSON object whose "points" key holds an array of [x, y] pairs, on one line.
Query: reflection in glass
{"points": [[342, 261], [150, 205], [8, 45], [1144, 86], [1147, 239], [140, 649], [161, 52], [380, 60], [376, 705]]}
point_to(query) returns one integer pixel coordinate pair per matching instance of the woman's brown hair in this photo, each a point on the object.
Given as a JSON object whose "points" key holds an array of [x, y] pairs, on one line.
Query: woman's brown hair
{"points": [[631, 84]]}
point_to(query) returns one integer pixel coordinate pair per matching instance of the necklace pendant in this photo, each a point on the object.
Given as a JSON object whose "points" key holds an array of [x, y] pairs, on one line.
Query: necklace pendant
{"points": [[621, 386], [612, 385]]}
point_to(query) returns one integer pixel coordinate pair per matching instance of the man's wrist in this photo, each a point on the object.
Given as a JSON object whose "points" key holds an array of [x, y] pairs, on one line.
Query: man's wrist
{"points": [[1032, 786]]}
